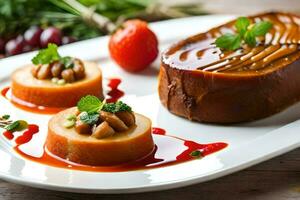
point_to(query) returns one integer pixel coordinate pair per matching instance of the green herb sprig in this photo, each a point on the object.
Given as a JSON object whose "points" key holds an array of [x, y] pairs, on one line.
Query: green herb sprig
{"points": [[92, 104], [46, 56], [50, 54], [12, 126], [89, 118], [246, 33], [196, 154], [89, 106]]}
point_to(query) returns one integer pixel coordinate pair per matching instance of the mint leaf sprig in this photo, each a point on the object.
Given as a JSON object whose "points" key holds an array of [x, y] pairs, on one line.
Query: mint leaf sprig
{"points": [[92, 104], [50, 55], [246, 33], [89, 107], [46, 56]]}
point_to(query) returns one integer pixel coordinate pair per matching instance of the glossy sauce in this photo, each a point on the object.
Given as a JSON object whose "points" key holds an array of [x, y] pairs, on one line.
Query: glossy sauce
{"points": [[25, 137], [8, 135], [5, 92], [280, 46], [158, 158], [27, 134], [115, 93]]}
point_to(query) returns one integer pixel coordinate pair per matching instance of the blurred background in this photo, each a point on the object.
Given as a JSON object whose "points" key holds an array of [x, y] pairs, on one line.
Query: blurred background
{"points": [[27, 25]]}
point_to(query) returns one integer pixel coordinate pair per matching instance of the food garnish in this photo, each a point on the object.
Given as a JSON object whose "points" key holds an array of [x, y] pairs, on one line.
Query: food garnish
{"points": [[89, 118], [5, 116], [100, 119], [247, 33], [12, 126], [49, 64], [89, 104], [92, 104], [133, 46], [70, 121], [196, 154], [47, 56]]}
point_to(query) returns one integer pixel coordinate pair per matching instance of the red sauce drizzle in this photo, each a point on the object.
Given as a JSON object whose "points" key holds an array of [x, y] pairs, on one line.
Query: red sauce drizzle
{"points": [[158, 131], [8, 135], [153, 160], [28, 106], [205, 149], [27, 135], [4, 91], [115, 93]]}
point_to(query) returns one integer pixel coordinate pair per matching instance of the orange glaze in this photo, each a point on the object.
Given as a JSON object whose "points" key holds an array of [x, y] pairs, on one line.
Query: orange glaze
{"points": [[278, 47], [28, 106], [155, 159]]}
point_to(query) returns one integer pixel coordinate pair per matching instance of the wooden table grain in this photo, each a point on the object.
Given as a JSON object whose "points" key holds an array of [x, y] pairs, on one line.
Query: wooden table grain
{"points": [[276, 179]]}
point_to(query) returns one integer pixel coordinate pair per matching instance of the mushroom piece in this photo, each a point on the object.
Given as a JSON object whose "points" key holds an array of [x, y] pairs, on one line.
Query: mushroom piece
{"points": [[82, 128], [103, 130], [127, 117], [68, 75], [56, 69], [78, 69], [35, 69], [44, 72], [116, 123]]}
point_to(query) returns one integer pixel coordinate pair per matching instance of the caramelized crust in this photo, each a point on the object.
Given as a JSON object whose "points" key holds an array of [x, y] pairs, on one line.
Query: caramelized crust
{"points": [[199, 82]]}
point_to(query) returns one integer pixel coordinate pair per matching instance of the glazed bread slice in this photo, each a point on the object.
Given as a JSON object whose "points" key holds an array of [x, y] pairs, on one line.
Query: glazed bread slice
{"points": [[118, 149], [27, 89], [200, 82]]}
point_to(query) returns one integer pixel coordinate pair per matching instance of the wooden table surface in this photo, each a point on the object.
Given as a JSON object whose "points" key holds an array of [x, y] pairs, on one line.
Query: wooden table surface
{"points": [[276, 179]]}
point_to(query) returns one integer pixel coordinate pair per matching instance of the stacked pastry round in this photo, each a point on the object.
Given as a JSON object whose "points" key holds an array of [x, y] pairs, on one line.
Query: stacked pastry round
{"points": [[46, 93], [123, 147]]}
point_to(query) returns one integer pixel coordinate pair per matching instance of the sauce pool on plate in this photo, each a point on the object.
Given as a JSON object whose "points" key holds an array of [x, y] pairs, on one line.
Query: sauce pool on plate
{"points": [[182, 151]]}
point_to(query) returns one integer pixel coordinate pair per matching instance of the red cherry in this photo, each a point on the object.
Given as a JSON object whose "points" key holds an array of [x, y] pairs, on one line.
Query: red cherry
{"points": [[32, 36], [15, 46], [50, 35]]}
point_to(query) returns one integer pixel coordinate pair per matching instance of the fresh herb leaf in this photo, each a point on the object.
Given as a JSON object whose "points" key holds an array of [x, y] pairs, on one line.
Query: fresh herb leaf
{"points": [[89, 118], [250, 39], [6, 117], [22, 126], [261, 28], [196, 154], [244, 34], [241, 25], [229, 41], [67, 61], [12, 126], [46, 56], [121, 106], [18, 125], [89, 104], [116, 107]]}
